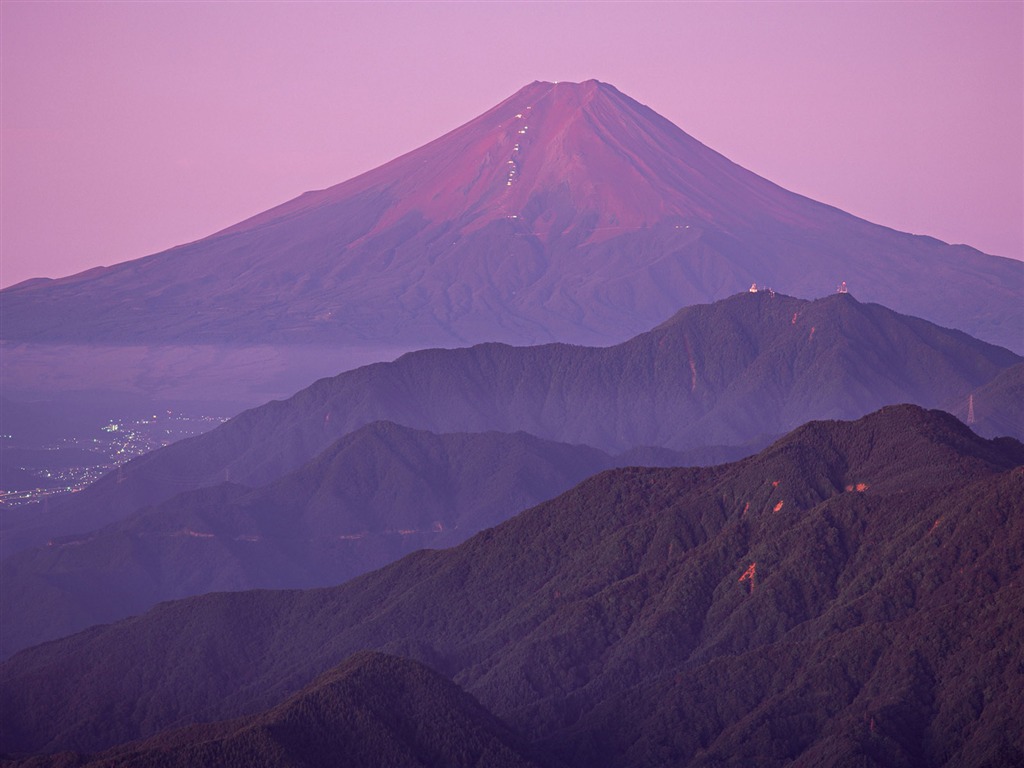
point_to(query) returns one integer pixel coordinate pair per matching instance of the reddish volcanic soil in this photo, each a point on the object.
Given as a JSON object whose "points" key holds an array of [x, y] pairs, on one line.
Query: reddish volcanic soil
{"points": [[567, 212]]}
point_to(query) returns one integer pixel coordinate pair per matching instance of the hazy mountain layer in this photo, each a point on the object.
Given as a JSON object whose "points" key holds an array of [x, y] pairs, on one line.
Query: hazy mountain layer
{"points": [[850, 595], [371, 711], [998, 406], [372, 497], [568, 212], [722, 374]]}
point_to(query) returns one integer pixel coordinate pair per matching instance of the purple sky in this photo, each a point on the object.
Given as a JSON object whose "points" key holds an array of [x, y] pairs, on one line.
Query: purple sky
{"points": [[128, 128]]}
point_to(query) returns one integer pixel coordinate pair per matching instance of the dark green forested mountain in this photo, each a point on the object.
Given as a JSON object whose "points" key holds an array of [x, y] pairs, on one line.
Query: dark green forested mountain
{"points": [[372, 711], [850, 595], [721, 374], [371, 497]]}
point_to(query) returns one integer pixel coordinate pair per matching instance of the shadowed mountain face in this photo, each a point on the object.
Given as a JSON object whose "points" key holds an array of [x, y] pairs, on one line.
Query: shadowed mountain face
{"points": [[850, 595], [568, 212], [374, 710], [372, 497], [997, 408], [728, 373]]}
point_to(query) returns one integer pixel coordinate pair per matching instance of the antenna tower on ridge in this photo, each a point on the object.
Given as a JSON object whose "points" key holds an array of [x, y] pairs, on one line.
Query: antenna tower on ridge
{"points": [[970, 409]]}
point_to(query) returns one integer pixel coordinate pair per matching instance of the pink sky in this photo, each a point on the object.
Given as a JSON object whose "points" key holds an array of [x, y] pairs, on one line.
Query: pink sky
{"points": [[128, 128]]}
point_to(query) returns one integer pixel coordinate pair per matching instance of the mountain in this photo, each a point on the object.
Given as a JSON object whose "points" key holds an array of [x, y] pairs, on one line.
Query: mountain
{"points": [[375, 710], [370, 498], [568, 212], [850, 595], [727, 373], [998, 405]]}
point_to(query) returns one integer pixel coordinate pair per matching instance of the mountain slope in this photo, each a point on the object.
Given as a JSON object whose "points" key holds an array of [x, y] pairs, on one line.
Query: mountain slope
{"points": [[373, 709], [370, 498], [728, 373], [567, 212], [851, 594], [998, 405]]}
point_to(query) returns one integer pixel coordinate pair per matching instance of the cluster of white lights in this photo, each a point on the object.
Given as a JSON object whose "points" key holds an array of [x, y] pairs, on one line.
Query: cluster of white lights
{"points": [[513, 166]]}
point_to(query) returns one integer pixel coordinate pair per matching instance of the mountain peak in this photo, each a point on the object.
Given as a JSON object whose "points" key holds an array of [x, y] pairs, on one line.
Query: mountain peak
{"points": [[567, 212], [552, 158], [566, 90]]}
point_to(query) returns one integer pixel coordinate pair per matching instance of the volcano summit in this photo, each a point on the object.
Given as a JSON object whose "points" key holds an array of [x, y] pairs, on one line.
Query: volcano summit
{"points": [[567, 212]]}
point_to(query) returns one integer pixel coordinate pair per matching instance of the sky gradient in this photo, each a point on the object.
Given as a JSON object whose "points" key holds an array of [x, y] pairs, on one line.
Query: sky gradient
{"points": [[128, 128]]}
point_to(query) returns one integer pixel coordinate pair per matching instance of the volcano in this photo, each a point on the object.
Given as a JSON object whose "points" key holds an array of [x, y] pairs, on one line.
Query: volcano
{"points": [[567, 212]]}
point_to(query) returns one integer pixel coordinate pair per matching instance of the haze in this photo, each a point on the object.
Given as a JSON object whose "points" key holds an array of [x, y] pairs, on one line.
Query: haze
{"points": [[129, 128]]}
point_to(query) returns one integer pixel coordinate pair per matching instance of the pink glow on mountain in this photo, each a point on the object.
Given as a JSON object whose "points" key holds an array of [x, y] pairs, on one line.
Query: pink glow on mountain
{"points": [[569, 211], [583, 148], [132, 127]]}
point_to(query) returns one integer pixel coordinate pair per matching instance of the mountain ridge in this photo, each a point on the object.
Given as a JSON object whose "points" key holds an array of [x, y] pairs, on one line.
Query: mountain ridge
{"points": [[568, 212], [728, 373], [845, 595], [597, 104], [373, 708], [371, 497]]}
